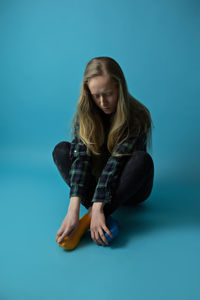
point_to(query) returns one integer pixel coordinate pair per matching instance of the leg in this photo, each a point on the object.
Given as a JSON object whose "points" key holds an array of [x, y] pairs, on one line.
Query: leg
{"points": [[62, 159], [63, 163], [135, 183]]}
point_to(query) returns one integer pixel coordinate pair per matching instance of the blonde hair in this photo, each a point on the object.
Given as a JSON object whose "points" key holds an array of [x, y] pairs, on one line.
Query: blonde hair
{"points": [[131, 116]]}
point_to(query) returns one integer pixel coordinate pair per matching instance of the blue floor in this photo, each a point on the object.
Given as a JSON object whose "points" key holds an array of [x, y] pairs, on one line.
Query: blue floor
{"points": [[155, 256]]}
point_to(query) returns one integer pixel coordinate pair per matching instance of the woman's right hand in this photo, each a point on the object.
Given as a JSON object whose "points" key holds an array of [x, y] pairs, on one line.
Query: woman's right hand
{"points": [[69, 226]]}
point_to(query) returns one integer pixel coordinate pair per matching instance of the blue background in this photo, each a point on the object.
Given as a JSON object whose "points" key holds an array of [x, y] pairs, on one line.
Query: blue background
{"points": [[45, 46]]}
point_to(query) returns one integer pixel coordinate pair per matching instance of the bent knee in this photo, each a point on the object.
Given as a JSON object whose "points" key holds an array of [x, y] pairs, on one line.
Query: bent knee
{"points": [[60, 149], [143, 158]]}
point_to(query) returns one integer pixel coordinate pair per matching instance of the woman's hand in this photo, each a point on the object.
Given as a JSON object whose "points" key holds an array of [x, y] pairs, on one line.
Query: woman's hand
{"points": [[97, 225], [69, 225]]}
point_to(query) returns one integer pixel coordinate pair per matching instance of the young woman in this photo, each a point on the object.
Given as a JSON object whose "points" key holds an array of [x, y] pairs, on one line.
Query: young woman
{"points": [[106, 164]]}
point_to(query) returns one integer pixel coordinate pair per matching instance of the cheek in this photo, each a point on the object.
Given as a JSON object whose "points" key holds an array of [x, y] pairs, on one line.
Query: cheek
{"points": [[95, 101], [115, 100]]}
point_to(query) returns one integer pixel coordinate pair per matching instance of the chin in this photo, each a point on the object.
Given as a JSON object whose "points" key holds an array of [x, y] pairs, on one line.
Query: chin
{"points": [[107, 112]]}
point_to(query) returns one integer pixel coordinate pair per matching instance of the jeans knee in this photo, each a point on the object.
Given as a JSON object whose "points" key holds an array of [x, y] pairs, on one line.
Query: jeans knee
{"points": [[59, 149], [144, 159], [148, 160]]}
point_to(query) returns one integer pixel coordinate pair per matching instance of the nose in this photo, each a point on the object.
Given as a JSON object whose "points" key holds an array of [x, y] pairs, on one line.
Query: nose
{"points": [[102, 100]]}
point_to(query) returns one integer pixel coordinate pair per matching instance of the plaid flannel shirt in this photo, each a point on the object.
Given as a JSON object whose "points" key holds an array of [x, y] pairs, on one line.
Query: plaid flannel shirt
{"points": [[80, 171]]}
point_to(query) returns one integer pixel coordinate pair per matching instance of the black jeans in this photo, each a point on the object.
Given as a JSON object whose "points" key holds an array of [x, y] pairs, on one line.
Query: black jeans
{"points": [[135, 182]]}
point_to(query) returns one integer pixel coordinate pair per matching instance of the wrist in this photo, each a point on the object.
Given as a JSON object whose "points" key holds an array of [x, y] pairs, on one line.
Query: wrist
{"points": [[98, 206]]}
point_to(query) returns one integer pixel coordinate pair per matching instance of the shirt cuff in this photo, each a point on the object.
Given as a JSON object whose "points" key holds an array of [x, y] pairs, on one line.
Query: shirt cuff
{"points": [[76, 190], [102, 196]]}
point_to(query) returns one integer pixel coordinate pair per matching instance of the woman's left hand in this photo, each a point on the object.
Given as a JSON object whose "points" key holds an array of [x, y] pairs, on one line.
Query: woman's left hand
{"points": [[97, 225]]}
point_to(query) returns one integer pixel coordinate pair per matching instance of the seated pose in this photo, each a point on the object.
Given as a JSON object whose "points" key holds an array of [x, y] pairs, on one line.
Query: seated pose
{"points": [[106, 164]]}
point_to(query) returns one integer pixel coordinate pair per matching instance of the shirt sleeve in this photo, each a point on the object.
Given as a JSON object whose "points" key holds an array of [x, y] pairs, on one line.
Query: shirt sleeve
{"points": [[108, 180], [80, 168]]}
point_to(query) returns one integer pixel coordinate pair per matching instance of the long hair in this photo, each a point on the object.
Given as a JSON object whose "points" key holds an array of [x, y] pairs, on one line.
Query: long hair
{"points": [[130, 117]]}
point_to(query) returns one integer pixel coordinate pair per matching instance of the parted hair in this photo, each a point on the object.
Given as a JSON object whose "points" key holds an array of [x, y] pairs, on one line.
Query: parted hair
{"points": [[130, 118]]}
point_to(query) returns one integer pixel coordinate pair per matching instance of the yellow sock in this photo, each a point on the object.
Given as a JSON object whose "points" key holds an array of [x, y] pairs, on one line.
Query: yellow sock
{"points": [[84, 224]]}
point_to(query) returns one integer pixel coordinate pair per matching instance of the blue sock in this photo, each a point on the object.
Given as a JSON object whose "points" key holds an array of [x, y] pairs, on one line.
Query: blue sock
{"points": [[113, 226]]}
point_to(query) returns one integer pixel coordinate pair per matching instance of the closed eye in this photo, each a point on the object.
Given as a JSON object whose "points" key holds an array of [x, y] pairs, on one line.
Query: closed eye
{"points": [[105, 94]]}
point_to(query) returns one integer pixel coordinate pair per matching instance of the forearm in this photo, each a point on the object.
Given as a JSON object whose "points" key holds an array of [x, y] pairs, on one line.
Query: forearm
{"points": [[75, 201], [74, 204]]}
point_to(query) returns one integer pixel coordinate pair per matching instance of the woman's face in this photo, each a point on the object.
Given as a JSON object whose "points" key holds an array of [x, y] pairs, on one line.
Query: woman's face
{"points": [[104, 92]]}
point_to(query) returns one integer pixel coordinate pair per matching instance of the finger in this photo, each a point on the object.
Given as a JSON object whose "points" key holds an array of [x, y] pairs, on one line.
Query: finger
{"points": [[100, 240], [103, 238], [57, 238], [107, 230], [92, 234], [72, 233], [60, 231], [97, 238], [65, 233], [58, 234], [60, 240]]}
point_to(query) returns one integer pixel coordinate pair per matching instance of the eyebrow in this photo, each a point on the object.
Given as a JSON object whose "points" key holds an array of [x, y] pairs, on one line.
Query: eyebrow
{"points": [[103, 92]]}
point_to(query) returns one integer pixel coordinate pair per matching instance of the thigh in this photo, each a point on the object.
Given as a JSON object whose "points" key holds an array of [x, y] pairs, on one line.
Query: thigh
{"points": [[137, 174], [135, 182], [144, 192]]}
